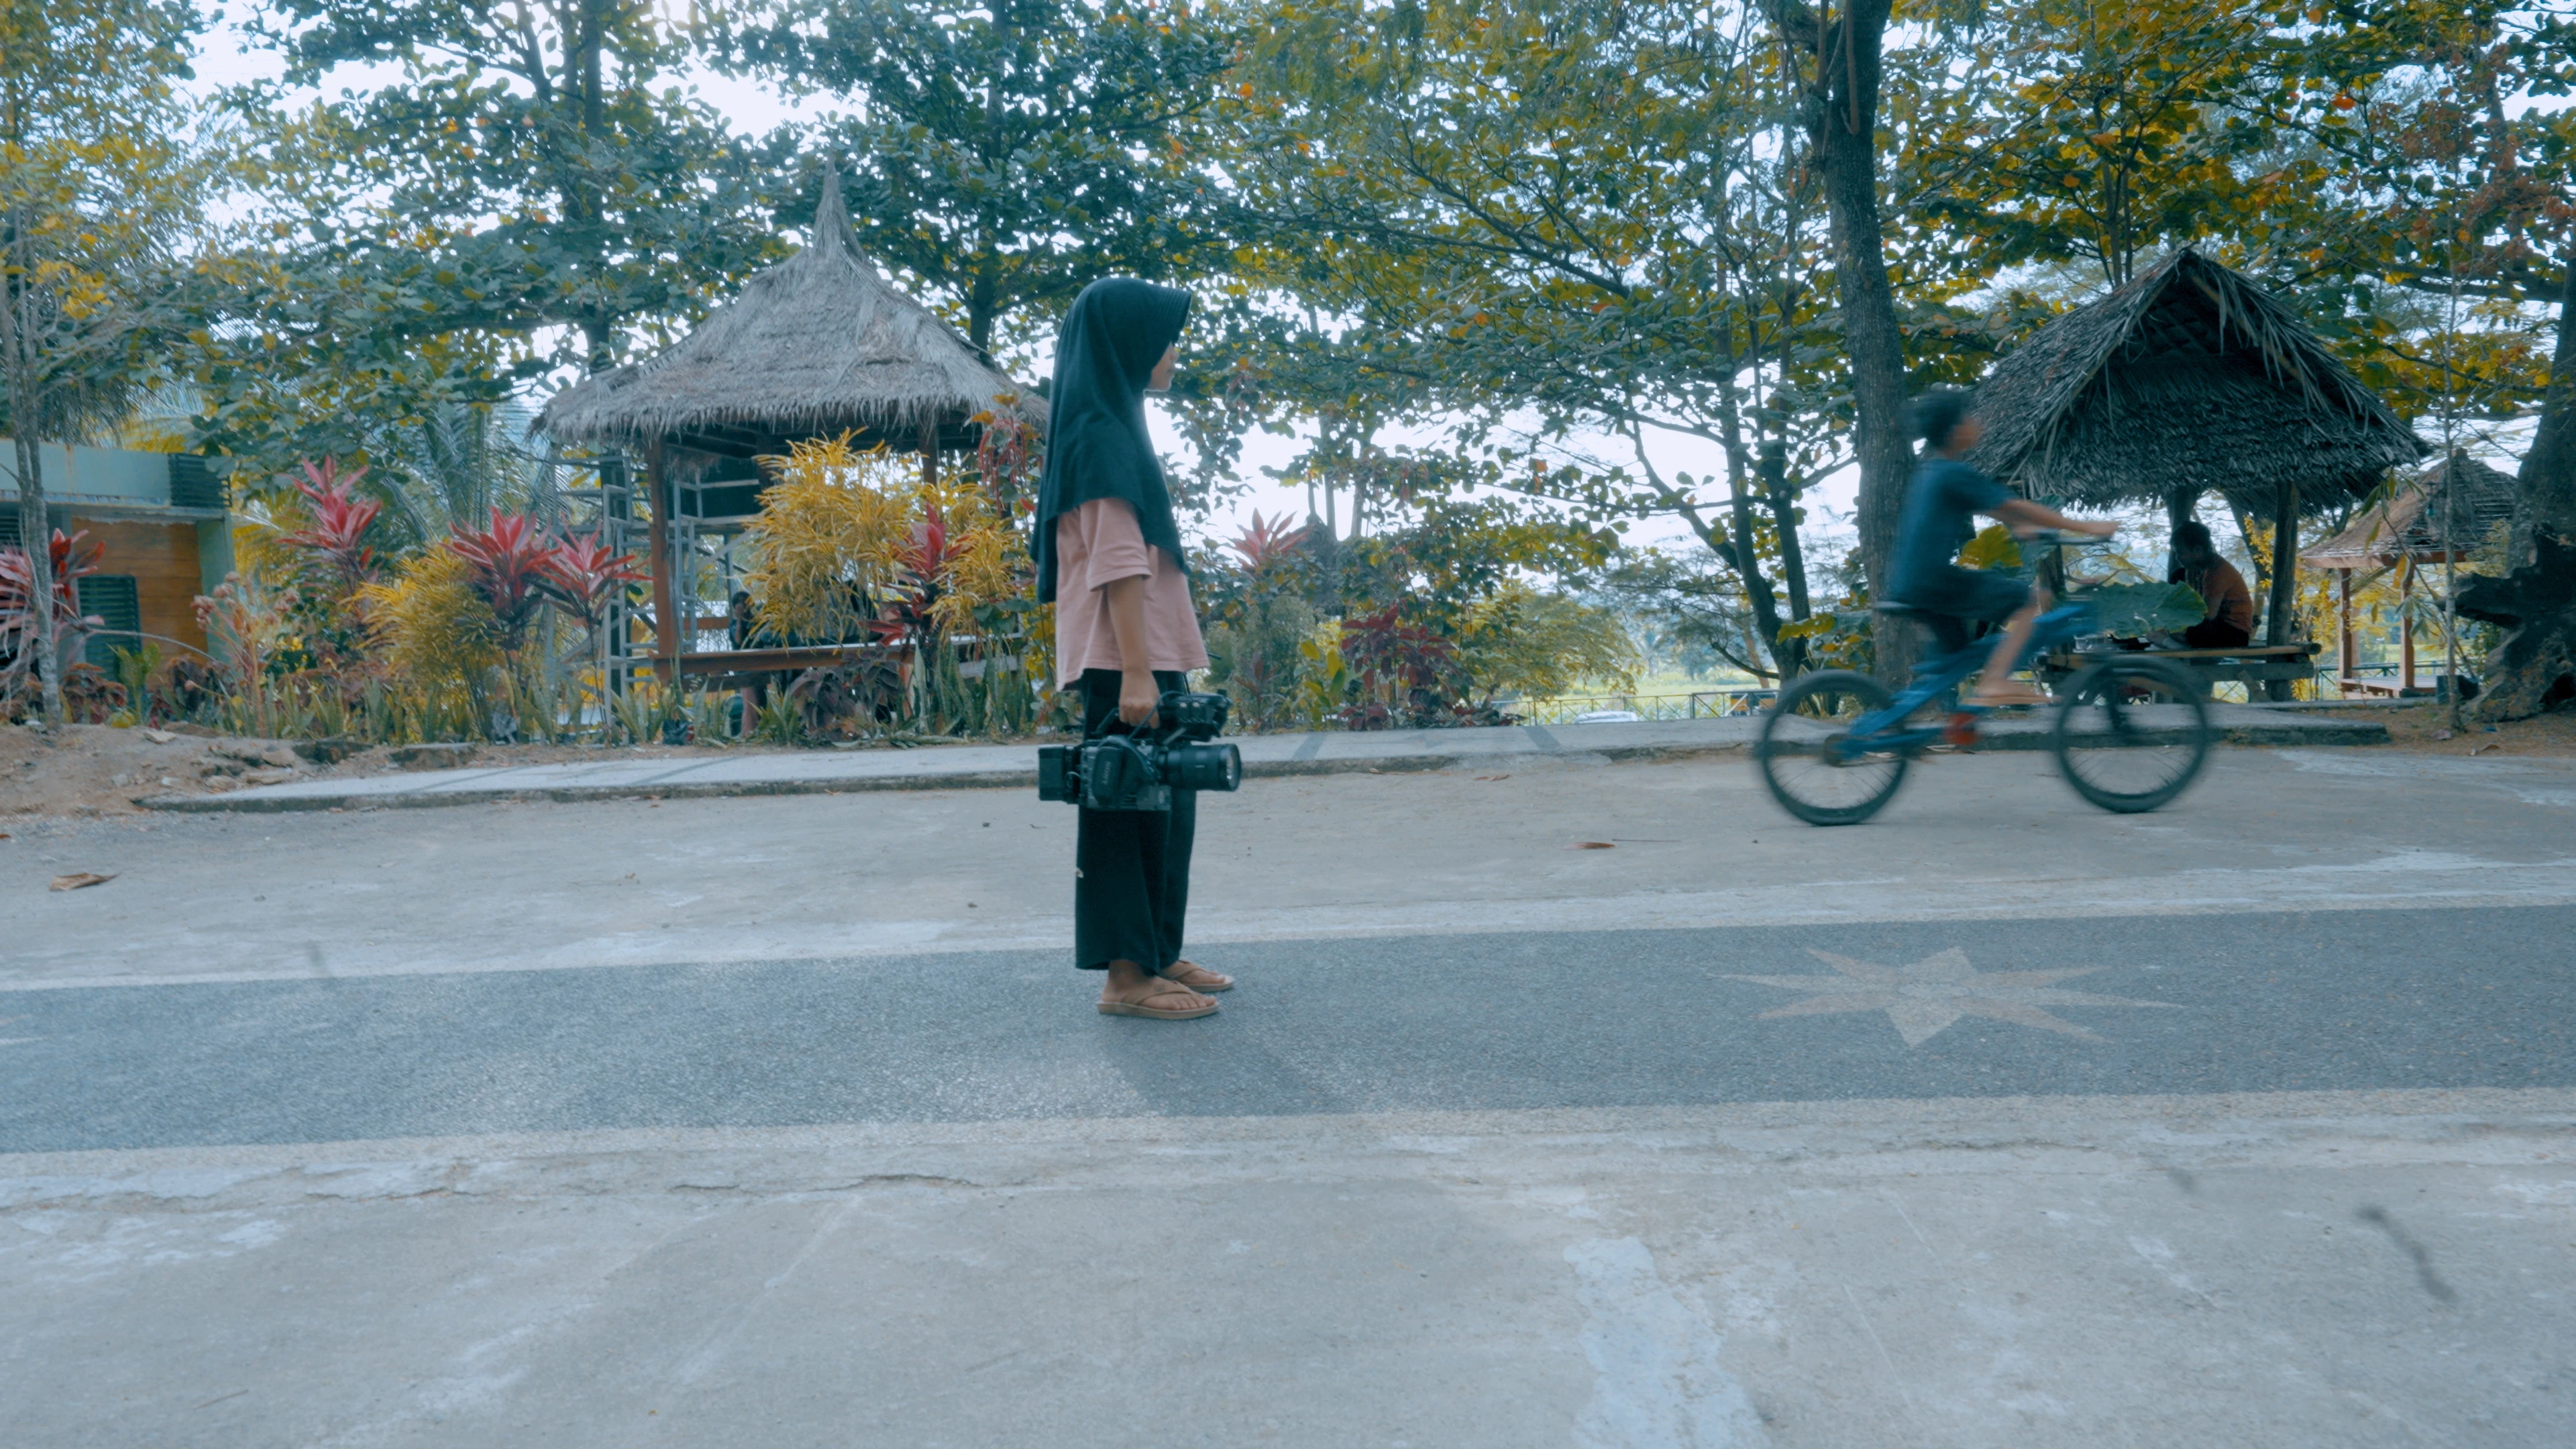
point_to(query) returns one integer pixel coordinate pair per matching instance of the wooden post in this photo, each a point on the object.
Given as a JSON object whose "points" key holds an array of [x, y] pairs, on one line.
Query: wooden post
{"points": [[2347, 648], [2406, 626], [930, 452], [666, 632], [2285, 577]]}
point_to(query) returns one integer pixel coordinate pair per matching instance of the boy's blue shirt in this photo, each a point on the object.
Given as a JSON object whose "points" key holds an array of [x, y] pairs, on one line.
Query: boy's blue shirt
{"points": [[1941, 503]]}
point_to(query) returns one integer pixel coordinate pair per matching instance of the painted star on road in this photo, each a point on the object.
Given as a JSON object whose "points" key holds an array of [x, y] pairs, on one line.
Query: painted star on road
{"points": [[1927, 996]]}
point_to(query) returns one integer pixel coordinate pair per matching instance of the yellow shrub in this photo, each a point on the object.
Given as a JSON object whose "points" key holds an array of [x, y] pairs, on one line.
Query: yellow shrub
{"points": [[840, 521], [834, 519], [436, 632]]}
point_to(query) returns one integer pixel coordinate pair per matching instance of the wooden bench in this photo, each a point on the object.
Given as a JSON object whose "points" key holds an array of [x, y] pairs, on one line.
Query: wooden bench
{"points": [[2249, 664], [2388, 688], [735, 668]]}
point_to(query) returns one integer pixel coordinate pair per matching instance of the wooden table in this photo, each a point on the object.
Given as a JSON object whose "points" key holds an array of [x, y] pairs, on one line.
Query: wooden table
{"points": [[2249, 664]]}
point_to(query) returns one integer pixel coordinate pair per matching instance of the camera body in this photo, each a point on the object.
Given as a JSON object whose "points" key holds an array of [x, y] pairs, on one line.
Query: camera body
{"points": [[1140, 771]]}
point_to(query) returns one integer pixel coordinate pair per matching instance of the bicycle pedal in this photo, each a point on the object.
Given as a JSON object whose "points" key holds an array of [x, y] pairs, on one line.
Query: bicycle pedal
{"points": [[1959, 732]]}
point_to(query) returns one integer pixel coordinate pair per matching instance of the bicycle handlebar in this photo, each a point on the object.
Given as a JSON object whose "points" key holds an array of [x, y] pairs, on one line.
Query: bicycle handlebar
{"points": [[2059, 537]]}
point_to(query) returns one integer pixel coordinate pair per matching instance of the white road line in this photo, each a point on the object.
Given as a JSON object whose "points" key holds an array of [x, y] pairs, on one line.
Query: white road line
{"points": [[2411, 879]]}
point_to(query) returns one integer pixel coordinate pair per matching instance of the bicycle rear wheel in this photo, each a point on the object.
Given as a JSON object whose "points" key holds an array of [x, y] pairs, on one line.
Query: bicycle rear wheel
{"points": [[1809, 778], [2132, 733]]}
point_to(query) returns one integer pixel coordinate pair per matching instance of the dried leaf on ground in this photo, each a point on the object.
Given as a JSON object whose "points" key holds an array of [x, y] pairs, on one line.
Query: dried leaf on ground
{"points": [[1592, 845], [78, 879]]}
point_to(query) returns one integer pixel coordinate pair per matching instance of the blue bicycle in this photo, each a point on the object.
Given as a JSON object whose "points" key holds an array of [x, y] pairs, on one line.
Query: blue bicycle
{"points": [[2131, 732]]}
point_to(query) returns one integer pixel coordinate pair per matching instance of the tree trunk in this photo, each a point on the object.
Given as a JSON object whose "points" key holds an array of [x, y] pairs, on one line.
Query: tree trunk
{"points": [[2285, 578], [2548, 478], [2533, 668], [36, 537], [1784, 518], [2181, 506], [1762, 599], [1748, 567], [983, 299], [1842, 121], [599, 346]]}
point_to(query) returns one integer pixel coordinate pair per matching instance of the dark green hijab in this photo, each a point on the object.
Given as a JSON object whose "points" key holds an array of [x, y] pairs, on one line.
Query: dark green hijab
{"points": [[1097, 445]]}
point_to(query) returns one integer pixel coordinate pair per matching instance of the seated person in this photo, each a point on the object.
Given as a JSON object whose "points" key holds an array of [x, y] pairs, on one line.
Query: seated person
{"points": [[2229, 623], [1935, 523]]}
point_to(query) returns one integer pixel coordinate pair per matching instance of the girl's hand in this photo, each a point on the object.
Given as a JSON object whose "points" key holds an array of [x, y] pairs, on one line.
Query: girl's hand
{"points": [[1138, 697]]}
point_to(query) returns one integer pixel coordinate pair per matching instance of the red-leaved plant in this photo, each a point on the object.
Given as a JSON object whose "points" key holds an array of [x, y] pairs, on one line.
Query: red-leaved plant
{"points": [[509, 564], [585, 574], [1268, 542], [338, 536], [1407, 674], [18, 602]]}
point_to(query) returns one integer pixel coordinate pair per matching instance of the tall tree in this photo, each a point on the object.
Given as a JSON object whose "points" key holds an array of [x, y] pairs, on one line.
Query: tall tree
{"points": [[1564, 226], [1007, 153], [2086, 130], [2450, 226], [98, 196], [527, 171], [1841, 62]]}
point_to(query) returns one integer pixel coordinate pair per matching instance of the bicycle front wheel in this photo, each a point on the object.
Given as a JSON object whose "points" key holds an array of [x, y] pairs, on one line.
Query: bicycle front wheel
{"points": [[1799, 752], [2132, 733]]}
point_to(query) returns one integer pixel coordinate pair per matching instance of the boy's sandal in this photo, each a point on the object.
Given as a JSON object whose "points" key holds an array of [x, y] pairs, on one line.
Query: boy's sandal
{"points": [[1210, 981], [2009, 699], [1146, 1008]]}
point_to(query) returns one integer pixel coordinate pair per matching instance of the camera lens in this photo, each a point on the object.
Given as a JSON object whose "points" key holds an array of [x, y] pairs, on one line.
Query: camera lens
{"points": [[1204, 767]]}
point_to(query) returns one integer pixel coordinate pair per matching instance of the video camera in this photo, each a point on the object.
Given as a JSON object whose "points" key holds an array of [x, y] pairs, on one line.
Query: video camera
{"points": [[1140, 771]]}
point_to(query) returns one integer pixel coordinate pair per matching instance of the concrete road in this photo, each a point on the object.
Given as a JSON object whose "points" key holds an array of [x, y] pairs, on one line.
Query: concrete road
{"points": [[782, 1121]]}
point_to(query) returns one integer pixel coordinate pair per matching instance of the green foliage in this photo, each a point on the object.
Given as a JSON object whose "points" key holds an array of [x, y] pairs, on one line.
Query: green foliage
{"points": [[511, 190], [2087, 132], [1688, 609], [1534, 645], [1010, 155], [1458, 553], [2133, 611], [1254, 646], [101, 183]]}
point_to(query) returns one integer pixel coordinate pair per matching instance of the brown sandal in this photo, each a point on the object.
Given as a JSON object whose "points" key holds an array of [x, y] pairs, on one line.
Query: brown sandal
{"points": [[1160, 1013], [1222, 982]]}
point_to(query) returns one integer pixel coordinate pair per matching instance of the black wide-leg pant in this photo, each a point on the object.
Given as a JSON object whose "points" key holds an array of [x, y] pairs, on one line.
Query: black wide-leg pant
{"points": [[1131, 880]]}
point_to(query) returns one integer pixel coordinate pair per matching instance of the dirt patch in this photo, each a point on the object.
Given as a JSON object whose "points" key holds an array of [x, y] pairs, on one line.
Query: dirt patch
{"points": [[2416, 727], [92, 770]]}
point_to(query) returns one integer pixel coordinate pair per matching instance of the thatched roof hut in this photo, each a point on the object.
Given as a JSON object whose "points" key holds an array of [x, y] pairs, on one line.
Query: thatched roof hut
{"points": [[2188, 379], [819, 344], [2441, 515]]}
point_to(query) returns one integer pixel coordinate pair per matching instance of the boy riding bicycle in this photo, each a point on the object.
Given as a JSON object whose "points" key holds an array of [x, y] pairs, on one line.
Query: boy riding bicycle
{"points": [[1939, 501]]}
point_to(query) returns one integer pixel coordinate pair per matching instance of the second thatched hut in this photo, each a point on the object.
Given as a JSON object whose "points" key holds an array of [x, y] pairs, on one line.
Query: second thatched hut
{"points": [[2188, 380]]}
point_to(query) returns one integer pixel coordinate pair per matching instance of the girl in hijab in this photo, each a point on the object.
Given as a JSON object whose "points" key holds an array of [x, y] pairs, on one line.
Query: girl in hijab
{"points": [[1109, 559]]}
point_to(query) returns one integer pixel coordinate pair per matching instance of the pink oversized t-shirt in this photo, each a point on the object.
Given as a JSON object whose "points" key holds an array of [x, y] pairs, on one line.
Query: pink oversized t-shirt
{"points": [[1099, 543]]}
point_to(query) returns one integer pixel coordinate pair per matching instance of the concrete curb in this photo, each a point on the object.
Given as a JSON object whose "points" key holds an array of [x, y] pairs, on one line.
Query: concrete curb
{"points": [[2024, 737]]}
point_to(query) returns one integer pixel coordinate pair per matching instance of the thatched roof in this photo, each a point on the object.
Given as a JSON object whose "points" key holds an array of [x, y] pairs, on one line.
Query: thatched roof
{"points": [[2448, 508], [2188, 376], [817, 344]]}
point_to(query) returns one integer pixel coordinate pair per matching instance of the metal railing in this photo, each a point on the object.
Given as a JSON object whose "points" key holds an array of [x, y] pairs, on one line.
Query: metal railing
{"points": [[1698, 704]]}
